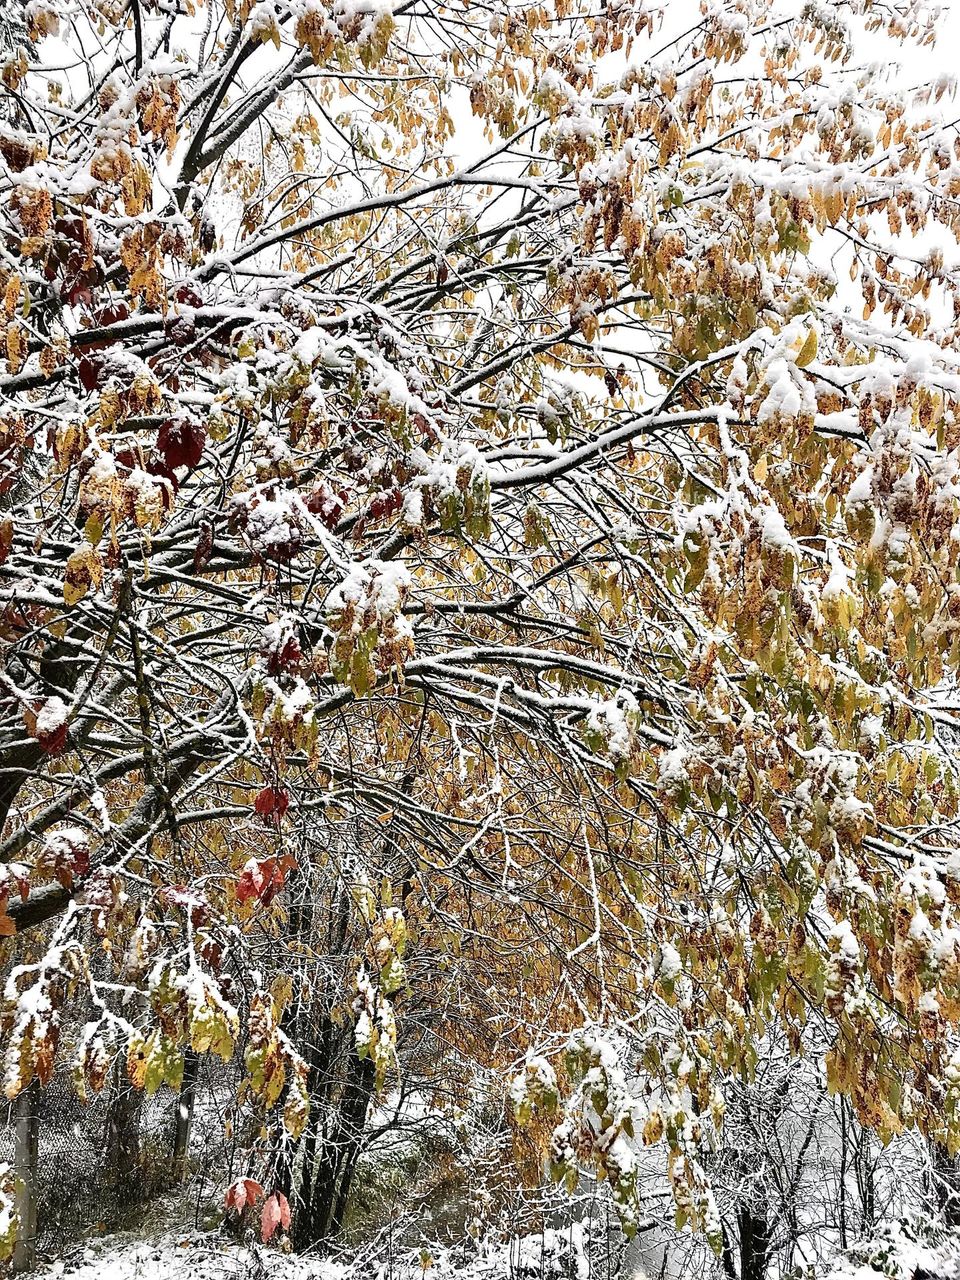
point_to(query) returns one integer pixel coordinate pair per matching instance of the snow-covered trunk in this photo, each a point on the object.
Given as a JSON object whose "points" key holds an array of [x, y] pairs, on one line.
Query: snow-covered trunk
{"points": [[26, 1151], [945, 1182], [331, 1148], [754, 1228], [188, 1095], [123, 1138], [339, 1151]]}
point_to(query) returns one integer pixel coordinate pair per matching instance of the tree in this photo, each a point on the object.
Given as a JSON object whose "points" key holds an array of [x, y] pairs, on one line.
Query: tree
{"points": [[532, 548]]}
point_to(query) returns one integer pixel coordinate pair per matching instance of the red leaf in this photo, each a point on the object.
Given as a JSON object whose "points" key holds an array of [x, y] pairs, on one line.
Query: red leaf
{"points": [[204, 547], [264, 879], [271, 802], [89, 373], [325, 503], [68, 854], [281, 649], [243, 1192], [53, 743], [180, 331], [158, 467], [271, 1217], [186, 294], [112, 314], [284, 1210], [78, 291], [249, 884], [181, 441], [211, 952], [15, 873], [70, 229], [385, 504]]}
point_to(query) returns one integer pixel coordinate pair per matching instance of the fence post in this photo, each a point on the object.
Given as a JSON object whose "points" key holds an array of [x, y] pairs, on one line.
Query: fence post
{"points": [[26, 1148], [188, 1094]]}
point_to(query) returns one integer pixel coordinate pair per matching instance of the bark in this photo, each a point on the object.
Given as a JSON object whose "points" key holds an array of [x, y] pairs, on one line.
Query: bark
{"points": [[123, 1140], [754, 1231], [945, 1176], [865, 1182], [188, 1095], [339, 1153], [26, 1149]]}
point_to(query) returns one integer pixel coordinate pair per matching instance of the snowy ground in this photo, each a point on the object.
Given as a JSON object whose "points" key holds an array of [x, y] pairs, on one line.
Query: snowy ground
{"points": [[211, 1257], [900, 1253], [893, 1253], [186, 1258]]}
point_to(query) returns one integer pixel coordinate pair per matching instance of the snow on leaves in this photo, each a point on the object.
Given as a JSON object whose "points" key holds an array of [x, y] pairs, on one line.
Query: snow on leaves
{"points": [[600, 1121], [372, 635], [274, 1067], [213, 1023], [590, 509]]}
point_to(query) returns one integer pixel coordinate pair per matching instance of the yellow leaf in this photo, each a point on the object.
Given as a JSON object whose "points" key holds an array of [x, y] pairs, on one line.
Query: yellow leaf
{"points": [[808, 351]]}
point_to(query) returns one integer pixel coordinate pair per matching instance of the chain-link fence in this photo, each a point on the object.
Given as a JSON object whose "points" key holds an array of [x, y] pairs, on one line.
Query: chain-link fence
{"points": [[109, 1161]]}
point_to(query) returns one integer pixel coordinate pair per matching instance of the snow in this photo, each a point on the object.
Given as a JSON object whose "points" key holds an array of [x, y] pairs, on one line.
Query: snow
{"points": [[671, 965], [188, 1258], [861, 491], [104, 468], [871, 731], [379, 585], [395, 353], [846, 942], [614, 721], [784, 395], [555, 1252], [899, 1251], [920, 929], [65, 841], [413, 508], [51, 717], [271, 524], [774, 531], [672, 770], [838, 580]]}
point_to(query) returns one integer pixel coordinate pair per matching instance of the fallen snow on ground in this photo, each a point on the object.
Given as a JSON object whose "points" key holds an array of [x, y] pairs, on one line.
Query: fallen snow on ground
{"points": [[552, 1254], [896, 1251], [188, 1258], [900, 1251]]}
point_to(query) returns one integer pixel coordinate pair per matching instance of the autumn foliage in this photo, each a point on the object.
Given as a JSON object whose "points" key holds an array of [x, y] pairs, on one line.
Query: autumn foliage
{"points": [[480, 566]]}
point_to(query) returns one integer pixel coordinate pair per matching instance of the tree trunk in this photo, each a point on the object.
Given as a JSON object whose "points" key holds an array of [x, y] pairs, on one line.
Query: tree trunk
{"points": [[339, 1151], [754, 1242], [842, 1186], [188, 1096], [25, 1159], [355, 1115], [865, 1182], [320, 1054], [945, 1177], [123, 1139]]}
